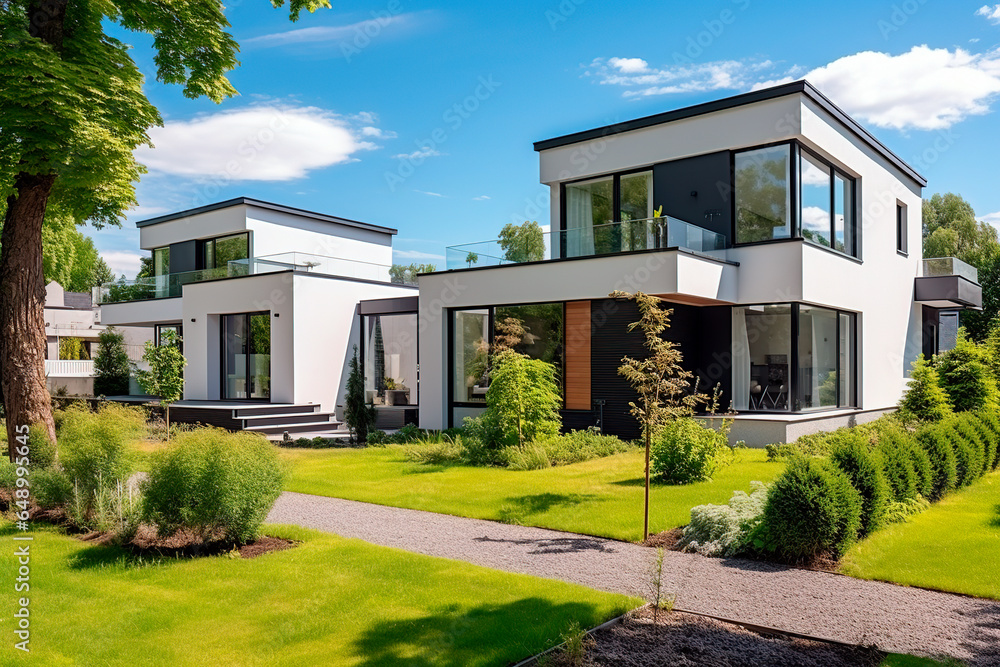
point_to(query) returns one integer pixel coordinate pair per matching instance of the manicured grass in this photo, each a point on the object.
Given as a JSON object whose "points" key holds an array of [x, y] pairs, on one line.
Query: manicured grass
{"points": [[953, 546], [900, 660], [327, 601], [599, 497]]}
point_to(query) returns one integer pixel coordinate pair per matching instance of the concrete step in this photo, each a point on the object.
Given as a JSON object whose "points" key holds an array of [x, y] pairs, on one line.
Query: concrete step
{"points": [[303, 427], [250, 421], [265, 410]]}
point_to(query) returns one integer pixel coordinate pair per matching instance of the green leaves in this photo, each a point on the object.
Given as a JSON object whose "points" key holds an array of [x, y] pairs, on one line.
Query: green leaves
{"points": [[166, 367]]}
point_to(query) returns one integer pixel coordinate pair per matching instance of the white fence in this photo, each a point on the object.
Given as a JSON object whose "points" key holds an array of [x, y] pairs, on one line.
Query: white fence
{"points": [[68, 369]]}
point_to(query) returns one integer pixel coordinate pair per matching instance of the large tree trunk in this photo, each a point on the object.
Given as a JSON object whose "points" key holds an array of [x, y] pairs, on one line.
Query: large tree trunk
{"points": [[22, 302]]}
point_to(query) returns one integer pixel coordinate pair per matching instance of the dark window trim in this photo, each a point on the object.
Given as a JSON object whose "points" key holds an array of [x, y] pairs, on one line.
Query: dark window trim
{"points": [[795, 198], [902, 228], [793, 364], [363, 328], [616, 179], [201, 243], [222, 358]]}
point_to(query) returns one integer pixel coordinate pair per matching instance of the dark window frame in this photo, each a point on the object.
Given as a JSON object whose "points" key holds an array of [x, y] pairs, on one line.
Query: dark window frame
{"points": [[364, 337], [902, 229], [793, 363], [222, 357], [491, 310], [616, 198]]}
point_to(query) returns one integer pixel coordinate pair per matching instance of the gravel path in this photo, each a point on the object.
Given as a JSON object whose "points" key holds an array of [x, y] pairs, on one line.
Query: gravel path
{"points": [[894, 618]]}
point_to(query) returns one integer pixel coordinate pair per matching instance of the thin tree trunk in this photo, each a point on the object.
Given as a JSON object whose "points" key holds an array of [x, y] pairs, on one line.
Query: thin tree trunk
{"points": [[645, 519], [22, 301]]}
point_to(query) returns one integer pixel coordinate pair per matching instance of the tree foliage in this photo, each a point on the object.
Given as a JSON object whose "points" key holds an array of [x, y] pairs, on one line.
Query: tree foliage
{"points": [[965, 376], [523, 400], [165, 377], [359, 414], [111, 364], [924, 399], [407, 274], [522, 243]]}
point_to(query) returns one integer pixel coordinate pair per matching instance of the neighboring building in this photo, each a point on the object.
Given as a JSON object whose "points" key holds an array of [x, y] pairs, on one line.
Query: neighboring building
{"points": [[266, 301], [786, 238], [73, 315]]}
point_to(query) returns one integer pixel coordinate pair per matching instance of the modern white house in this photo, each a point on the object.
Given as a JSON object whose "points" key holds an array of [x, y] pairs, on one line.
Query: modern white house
{"points": [[75, 315], [785, 236], [265, 299]]}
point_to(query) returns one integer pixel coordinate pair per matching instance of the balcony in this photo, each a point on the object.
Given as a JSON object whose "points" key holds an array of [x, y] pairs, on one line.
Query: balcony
{"points": [[171, 285], [947, 282], [608, 239]]}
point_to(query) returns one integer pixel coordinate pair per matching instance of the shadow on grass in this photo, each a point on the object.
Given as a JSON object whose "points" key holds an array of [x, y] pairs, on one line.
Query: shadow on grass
{"points": [[995, 521], [486, 634], [516, 510]]}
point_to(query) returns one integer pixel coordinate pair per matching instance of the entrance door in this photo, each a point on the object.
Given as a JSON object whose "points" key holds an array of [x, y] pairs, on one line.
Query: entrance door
{"points": [[246, 356]]}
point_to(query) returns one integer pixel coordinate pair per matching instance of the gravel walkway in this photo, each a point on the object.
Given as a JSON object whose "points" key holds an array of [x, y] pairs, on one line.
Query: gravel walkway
{"points": [[894, 618]]}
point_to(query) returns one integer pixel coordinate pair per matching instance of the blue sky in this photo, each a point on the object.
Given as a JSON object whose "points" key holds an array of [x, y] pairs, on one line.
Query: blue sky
{"points": [[421, 116]]}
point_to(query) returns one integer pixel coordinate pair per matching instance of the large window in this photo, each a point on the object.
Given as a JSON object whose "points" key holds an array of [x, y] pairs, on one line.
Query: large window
{"points": [[793, 357], [218, 252], [763, 194], [822, 209], [595, 207], [161, 262], [540, 327], [391, 359], [246, 356]]}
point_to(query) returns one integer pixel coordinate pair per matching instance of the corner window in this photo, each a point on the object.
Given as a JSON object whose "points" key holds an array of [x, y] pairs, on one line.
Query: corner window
{"points": [[901, 245], [218, 252], [161, 261], [475, 330], [827, 204], [608, 215], [763, 194]]}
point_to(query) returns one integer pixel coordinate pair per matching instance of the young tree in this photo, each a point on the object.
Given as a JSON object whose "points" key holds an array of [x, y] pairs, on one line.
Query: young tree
{"points": [[663, 386], [522, 243], [165, 377], [359, 414], [964, 374], [924, 399], [523, 399], [111, 365], [72, 111]]}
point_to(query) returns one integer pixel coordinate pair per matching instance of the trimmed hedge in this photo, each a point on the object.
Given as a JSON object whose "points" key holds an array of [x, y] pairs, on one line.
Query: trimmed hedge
{"points": [[898, 465], [941, 454], [863, 468], [811, 509]]}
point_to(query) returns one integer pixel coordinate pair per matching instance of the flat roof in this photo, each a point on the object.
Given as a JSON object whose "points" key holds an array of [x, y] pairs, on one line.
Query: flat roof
{"points": [[795, 87], [271, 207]]}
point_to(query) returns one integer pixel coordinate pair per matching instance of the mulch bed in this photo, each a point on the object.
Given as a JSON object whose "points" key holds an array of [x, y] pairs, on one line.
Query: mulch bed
{"points": [[185, 544], [687, 639], [668, 539]]}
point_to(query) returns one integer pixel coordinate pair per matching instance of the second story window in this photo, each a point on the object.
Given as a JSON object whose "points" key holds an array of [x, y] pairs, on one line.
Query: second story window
{"points": [[608, 214], [901, 245], [769, 206], [161, 261], [218, 252]]}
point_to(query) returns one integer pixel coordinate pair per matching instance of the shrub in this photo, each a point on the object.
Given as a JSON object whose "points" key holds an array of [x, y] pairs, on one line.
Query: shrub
{"points": [[214, 483], [941, 456], [523, 400], [111, 364], [529, 456], [986, 436], [901, 512], [51, 488], [964, 430], [811, 509], [921, 467], [95, 446], [41, 450], [864, 469], [577, 446], [965, 376], [436, 451], [685, 451], [358, 413], [898, 466], [8, 475], [924, 399], [991, 427], [724, 530]]}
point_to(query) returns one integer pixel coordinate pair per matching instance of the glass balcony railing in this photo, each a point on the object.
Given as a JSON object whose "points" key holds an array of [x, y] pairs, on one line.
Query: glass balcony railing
{"points": [[168, 286], [614, 237], [949, 266]]}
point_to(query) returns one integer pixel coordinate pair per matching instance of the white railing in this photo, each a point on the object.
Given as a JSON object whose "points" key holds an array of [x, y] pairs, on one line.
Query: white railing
{"points": [[68, 369]]}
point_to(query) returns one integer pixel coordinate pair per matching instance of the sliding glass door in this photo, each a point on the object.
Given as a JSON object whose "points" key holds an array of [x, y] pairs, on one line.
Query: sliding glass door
{"points": [[246, 356]]}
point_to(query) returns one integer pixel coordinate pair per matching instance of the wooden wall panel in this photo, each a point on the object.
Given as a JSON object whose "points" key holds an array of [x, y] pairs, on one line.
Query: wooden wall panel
{"points": [[578, 355]]}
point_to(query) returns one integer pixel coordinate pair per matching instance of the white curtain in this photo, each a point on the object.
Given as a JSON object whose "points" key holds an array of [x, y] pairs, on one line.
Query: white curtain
{"points": [[741, 360], [650, 227], [579, 222]]}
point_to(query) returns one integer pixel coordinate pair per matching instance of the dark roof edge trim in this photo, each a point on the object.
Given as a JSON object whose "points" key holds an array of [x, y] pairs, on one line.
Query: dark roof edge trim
{"points": [[802, 86], [266, 205]]}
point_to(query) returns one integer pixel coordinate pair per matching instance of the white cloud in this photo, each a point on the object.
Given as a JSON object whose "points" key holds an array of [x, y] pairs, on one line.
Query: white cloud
{"points": [[377, 133], [991, 14], [122, 262], [418, 154], [992, 218], [429, 194], [924, 88], [480, 198], [416, 255], [332, 33], [702, 77], [814, 217], [629, 65], [269, 142]]}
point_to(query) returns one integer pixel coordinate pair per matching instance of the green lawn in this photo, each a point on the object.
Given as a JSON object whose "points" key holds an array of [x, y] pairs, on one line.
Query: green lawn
{"points": [[953, 546], [598, 497], [327, 601]]}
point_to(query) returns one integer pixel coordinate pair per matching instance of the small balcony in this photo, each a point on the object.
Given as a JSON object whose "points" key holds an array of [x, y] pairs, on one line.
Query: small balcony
{"points": [[947, 282], [171, 285], [661, 233]]}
